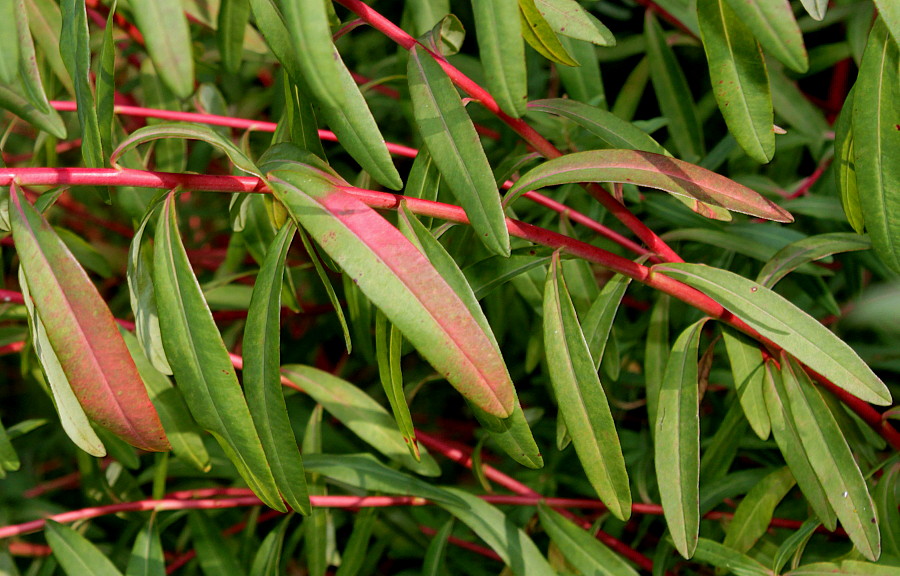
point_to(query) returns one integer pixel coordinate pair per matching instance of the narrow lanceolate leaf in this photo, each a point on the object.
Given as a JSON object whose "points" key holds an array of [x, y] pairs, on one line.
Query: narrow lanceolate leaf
{"points": [[569, 18], [516, 549], [653, 171], [748, 372], [361, 414], [167, 36], [886, 503], [513, 435], [216, 556], [538, 33], [106, 84], [711, 552], [82, 332], [876, 143], [9, 459], [76, 554], [267, 561], [774, 25], [76, 52], [611, 129], [200, 362], [433, 564], [9, 41], [845, 165], [784, 430], [29, 69], [231, 26], [310, 32], [806, 250], [845, 568], [582, 401], [678, 441], [451, 138], [753, 515], [656, 355], [890, 14], [74, 421], [673, 92], [582, 550], [262, 379], [147, 554], [598, 322], [831, 459], [815, 8], [388, 345], [739, 78], [791, 328], [398, 279], [502, 53], [14, 101]]}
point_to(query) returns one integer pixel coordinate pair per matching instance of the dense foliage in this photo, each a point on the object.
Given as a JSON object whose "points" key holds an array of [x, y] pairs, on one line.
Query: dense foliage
{"points": [[438, 287]]}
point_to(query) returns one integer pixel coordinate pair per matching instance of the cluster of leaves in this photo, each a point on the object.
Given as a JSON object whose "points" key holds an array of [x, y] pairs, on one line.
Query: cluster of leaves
{"points": [[191, 355]]}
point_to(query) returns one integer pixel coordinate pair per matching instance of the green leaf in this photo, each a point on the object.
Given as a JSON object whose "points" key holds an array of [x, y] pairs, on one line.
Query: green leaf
{"points": [[597, 324], [825, 446], [329, 289], [262, 379], [488, 274], [569, 18], [9, 40], [806, 250], [815, 8], [795, 544], [773, 24], [673, 92], [789, 327], [720, 556], [76, 53], [502, 53], [82, 332], [583, 83], [76, 554], [147, 553], [9, 459], [267, 560], [739, 78], [29, 74], [216, 556], [612, 130], [890, 15], [310, 33], [434, 561], [581, 398], [748, 371], [361, 414], [845, 165], [845, 567], [540, 36], [788, 439], [354, 554], [653, 171], [886, 503], [388, 345], [754, 513], [513, 435], [456, 149], [876, 143], [231, 26], [678, 441], [200, 362], [516, 549], [400, 281], [582, 550], [656, 356], [167, 36], [791, 106], [106, 85], [51, 122]]}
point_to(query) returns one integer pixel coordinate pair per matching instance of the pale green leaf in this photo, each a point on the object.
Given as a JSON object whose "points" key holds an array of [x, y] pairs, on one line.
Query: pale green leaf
{"points": [[754, 513], [541, 36], [310, 33], [502, 53], [569, 18], [774, 25], [748, 371], [582, 550], [845, 165], [167, 36], [806, 250]]}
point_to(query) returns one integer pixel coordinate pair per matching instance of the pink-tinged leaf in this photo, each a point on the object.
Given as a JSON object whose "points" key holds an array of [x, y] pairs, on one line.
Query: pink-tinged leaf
{"points": [[83, 333], [653, 171], [398, 279]]}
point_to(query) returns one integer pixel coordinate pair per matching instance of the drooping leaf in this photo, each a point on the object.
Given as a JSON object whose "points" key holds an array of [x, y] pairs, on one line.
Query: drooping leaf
{"points": [[774, 25], [754, 513], [516, 549], [678, 441], [147, 553], [806, 250], [262, 379], [76, 53], [825, 446], [361, 414], [399, 280], [29, 73], [502, 53], [612, 130], [200, 362], [794, 545], [232, 21], [76, 554], [167, 36], [512, 434], [876, 143], [673, 92], [720, 556], [739, 78], [653, 171], [597, 324], [845, 165], [569, 18], [329, 289], [748, 372], [540, 35], [581, 398], [82, 332], [11, 99], [456, 149], [783, 323], [582, 550], [310, 33], [216, 556]]}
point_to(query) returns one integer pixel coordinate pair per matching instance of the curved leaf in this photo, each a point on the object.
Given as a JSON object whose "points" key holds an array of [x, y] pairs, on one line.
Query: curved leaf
{"points": [[845, 165], [845, 568], [583, 551], [748, 371], [678, 441], [434, 561], [51, 122], [597, 324], [739, 78], [167, 36], [76, 554], [815, 8], [806, 250], [581, 398], [754, 513], [502, 53], [361, 414], [653, 171], [29, 74], [729, 559], [76, 53], [782, 322], [231, 25], [538, 33], [147, 554], [388, 345], [774, 25], [399, 280], [456, 149], [569, 18], [310, 33], [83, 333]]}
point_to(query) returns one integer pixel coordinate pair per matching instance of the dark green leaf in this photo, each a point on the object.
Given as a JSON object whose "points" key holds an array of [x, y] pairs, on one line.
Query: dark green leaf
{"points": [[845, 165], [215, 554], [582, 550], [76, 52], [773, 24], [167, 36], [310, 34], [727, 558], [76, 554], [748, 371], [147, 553], [231, 27]]}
